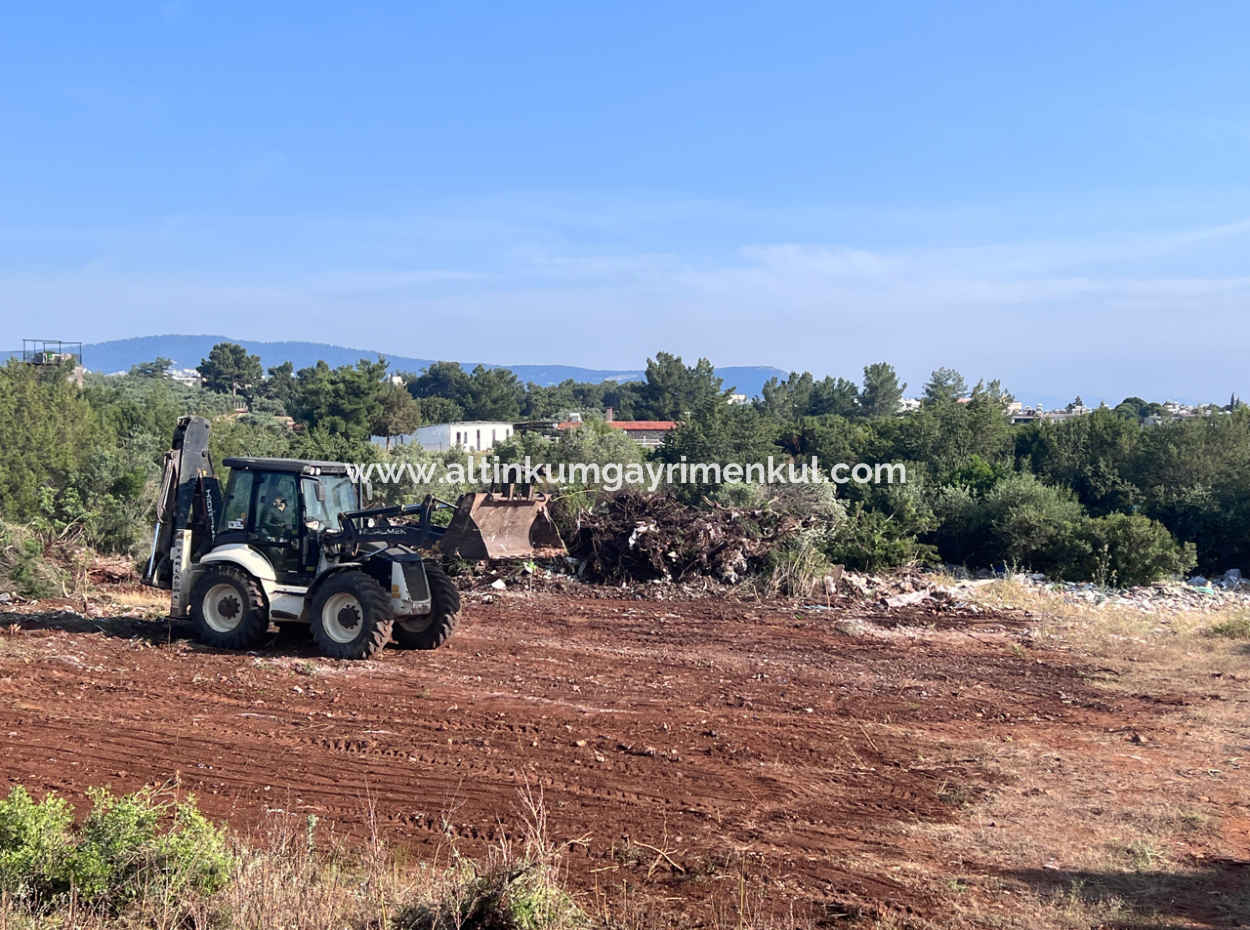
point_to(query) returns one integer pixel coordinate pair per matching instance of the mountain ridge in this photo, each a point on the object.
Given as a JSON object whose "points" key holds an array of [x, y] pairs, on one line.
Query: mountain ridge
{"points": [[186, 351]]}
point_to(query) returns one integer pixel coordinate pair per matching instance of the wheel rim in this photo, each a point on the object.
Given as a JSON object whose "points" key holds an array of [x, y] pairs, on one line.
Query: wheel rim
{"points": [[223, 608], [342, 617], [418, 624]]}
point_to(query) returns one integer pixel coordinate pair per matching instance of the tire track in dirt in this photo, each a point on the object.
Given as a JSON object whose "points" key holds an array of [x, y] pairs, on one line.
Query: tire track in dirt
{"points": [[734, 735]]}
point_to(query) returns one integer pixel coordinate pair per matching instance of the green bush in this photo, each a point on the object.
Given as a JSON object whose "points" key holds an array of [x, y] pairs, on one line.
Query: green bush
{"points": [[874, 540], [1018, 521], [23, 566], [1021, 521], [128, 845], [882, 527], [35, 845], [1026, 522], [979, 475], [1130, 549]]}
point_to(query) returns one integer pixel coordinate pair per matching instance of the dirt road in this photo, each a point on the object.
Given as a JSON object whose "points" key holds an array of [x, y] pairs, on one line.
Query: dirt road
{"points": [[687, 743]]}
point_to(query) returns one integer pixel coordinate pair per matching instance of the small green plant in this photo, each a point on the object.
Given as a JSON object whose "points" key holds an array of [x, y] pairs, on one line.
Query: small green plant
{"points": [[954, 795], [626, 853], [1144, 856], [1193, 820], [798, 566], [503, 898], [128, 845]]}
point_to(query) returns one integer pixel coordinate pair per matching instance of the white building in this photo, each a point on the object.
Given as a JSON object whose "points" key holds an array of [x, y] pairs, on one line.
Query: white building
{"points": [[471, 436], [188, 376]]}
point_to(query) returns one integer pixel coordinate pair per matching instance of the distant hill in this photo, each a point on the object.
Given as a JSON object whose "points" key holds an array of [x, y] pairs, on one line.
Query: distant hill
{"points": [[188, 351]]}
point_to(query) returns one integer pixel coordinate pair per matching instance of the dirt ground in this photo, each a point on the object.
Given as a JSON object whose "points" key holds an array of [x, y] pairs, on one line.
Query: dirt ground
{"points": [[707, 760]]}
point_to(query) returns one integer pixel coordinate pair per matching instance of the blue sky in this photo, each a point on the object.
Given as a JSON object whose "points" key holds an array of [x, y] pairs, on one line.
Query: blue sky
{"points": [[1052, 194]]}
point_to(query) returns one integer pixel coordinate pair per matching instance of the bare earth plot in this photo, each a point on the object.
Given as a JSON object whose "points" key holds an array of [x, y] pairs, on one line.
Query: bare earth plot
{"points": [[712, 757]]}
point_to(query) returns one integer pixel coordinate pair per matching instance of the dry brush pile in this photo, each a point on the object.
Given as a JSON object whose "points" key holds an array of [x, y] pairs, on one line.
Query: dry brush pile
{"points": [[636, 537]]}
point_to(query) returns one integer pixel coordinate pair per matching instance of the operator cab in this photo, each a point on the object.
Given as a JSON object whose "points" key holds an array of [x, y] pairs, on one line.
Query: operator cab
{"points": [[280, 507]]}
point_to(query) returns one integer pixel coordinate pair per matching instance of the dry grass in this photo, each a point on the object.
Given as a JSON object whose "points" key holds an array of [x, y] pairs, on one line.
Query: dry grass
{"points": [[138, 598], [286, 877], [1115, 828], [289, 876]]}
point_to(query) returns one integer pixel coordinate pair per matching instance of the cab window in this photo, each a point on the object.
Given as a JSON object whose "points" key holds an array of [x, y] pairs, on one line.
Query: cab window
{"points": [[340, 497], [315, 513], [277, 507], [238, 501]]}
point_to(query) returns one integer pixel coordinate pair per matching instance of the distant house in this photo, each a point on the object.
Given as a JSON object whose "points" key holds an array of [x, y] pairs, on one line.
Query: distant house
{"points": [[188, 376], [647, 433], [467, 435]]}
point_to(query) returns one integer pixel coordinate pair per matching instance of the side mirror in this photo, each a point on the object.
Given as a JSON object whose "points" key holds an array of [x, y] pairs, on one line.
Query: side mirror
{"points": [[319, 492], [366, 488]]}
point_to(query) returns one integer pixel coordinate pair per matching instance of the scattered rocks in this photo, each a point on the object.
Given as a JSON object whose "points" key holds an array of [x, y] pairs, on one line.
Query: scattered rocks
{"points": [[908, 599], [1155, 597]]}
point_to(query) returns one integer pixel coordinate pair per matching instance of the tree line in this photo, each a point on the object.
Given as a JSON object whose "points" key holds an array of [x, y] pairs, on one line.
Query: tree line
{"points": [[1121, 495]]}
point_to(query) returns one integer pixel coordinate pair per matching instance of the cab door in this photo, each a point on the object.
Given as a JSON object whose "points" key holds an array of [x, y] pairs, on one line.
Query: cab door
{"points": [[277, 525]]}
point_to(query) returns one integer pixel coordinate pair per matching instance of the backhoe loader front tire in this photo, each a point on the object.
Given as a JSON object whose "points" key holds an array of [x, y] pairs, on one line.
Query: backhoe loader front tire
{"points": [[228, 609], [429, 631], [351, 616]]}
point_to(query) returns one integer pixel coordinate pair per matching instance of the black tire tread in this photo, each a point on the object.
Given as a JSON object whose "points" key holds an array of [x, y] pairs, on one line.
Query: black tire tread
{"points": [[445, 608], [253, 626], [376, 623]]}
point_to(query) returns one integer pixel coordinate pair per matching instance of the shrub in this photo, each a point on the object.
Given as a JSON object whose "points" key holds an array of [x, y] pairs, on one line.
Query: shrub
{"points": [[1018, 521], [23, 566], [1029, 523], [1021, 521], [797, 567], [1130, 549], [882, 530], [35, 845], [979, 475], [128, 845]]}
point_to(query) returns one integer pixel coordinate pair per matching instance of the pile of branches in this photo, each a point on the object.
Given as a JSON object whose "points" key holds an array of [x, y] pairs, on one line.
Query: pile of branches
{"points": [[635, 537]]}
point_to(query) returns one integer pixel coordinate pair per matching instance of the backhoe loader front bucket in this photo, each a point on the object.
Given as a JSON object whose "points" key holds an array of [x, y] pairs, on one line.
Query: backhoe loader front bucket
{"points": [[506, 524]]}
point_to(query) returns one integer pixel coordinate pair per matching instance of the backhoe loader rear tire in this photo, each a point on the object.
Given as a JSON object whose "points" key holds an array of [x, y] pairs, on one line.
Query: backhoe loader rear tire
{"points": [[429, 631], [351, 616], [228, 609]]}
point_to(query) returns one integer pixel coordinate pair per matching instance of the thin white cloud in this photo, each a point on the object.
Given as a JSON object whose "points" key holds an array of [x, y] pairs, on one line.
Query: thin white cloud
{"points": [[1146, 312], [372, 281]]}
